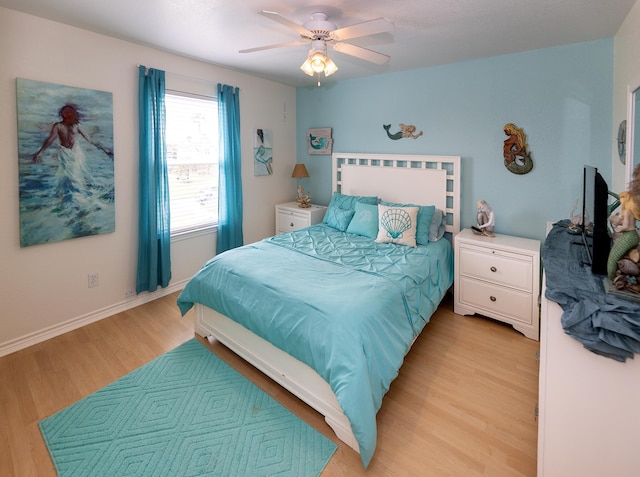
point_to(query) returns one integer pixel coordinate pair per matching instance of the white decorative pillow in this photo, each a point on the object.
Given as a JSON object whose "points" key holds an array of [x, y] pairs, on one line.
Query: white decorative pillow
{"points": [[397, 225]]}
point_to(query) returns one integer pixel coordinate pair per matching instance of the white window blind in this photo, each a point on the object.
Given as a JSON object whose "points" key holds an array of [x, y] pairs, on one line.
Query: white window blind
{"points": [[192, 161]]}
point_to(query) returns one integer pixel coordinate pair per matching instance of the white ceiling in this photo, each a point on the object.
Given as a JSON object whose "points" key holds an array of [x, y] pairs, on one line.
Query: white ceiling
{"points": [[427, 32]]}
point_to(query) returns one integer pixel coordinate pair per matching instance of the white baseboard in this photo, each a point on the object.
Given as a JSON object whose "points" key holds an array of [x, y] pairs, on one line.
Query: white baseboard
{"points": [[30, 339]]}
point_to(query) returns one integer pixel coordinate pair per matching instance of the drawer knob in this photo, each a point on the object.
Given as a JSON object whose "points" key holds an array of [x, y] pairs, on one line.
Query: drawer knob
{"points": [[492, 298], [291, 224], [494, 269]]}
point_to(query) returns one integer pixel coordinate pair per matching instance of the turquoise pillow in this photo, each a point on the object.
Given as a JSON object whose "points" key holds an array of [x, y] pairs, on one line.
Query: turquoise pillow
{"points": [[365, 220], [339, 218], [425, 213], [345, 202]]}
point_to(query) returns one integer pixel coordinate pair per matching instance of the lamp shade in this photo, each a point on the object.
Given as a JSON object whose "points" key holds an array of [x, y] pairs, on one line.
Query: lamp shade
{"points": [[299, 171], [318, 62], [306, 67], [330, 67]]}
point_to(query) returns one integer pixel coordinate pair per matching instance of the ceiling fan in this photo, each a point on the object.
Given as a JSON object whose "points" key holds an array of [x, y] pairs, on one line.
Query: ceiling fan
{"points": [[319, 31]]}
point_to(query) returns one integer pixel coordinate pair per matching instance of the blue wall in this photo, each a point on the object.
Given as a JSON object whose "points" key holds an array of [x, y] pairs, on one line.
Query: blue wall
{"points": [[561, 97]]}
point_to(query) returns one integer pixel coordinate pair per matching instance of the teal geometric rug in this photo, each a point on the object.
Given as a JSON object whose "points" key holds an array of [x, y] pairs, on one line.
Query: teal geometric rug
{"points": [[186, 413]]}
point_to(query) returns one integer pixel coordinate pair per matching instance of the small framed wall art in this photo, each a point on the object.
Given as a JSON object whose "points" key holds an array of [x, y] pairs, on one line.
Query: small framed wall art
{"points": [[319, 141], [262, 153]]}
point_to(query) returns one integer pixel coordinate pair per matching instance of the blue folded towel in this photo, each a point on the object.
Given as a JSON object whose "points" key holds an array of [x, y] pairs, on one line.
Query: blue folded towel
{"points": [[605, 324]]}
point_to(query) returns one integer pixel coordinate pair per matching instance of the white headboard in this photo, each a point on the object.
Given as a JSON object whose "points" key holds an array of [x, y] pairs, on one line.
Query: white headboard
{"points": [[417, 179]]}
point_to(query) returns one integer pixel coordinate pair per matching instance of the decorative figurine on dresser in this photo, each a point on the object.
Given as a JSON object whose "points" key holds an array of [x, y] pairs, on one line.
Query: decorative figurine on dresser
{"points": [[623, 265], [485, 219]]}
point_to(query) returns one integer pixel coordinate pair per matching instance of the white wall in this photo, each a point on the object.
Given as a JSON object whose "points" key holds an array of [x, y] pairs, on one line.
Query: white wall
{"points": [[43, 288], [626, 74]]}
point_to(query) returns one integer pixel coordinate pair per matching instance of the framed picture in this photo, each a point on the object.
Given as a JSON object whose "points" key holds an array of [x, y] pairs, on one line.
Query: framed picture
{"points": [[262, 153], [65, 154], [319, 141]]}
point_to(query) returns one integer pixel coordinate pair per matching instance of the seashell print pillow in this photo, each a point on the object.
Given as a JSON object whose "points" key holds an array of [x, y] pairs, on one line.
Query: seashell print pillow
{"points": [[397, 225], [425, 216]]}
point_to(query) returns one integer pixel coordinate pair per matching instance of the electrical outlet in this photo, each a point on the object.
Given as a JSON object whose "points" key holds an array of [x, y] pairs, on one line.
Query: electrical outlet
{"points": [[129, 292], [92, 279]]}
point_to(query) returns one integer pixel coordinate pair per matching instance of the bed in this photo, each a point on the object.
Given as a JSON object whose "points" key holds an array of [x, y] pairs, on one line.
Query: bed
{"points": [[329, 312]]}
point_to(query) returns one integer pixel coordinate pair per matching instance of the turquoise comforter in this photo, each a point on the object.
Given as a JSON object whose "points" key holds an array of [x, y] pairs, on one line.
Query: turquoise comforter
{"points": [[341, 303]]}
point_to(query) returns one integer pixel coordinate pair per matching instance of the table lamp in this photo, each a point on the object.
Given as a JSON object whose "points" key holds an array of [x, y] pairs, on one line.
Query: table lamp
{"points": [[300, 172]]}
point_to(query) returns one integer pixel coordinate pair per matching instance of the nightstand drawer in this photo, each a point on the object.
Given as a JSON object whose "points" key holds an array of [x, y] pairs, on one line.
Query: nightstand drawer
{"points": [[498, 267], [494, 299], [290, 217], [289, 221]]}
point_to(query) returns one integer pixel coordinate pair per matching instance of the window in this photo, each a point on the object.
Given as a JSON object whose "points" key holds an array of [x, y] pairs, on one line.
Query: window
{"points": [[192, 161]]}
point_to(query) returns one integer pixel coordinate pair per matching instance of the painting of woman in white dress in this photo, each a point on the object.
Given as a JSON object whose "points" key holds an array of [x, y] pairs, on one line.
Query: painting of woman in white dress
{"points": [[65, 146]]}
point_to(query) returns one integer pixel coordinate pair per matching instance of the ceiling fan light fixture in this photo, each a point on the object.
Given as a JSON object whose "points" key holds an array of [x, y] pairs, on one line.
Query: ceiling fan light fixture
{"points": [[306, 67], [330, 67], [319, 31], [318, 62]]}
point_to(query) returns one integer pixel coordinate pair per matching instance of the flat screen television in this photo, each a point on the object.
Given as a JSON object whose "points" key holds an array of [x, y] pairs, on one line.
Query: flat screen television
{"points": [[595, 214]]}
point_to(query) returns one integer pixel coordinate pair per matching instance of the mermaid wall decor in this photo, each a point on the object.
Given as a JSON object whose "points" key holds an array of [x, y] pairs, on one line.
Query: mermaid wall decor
{"points": [[319, 141], [517, 158], [405, 131], [262, 152]]}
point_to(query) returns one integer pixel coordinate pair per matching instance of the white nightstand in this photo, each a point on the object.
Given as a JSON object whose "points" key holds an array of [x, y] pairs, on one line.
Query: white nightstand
{"points": [[498, 277], [290, 217]]}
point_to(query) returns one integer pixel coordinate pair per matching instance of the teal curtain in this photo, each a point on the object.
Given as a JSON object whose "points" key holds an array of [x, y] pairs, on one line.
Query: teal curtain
{"points": [[154, 239], [230, 177]]}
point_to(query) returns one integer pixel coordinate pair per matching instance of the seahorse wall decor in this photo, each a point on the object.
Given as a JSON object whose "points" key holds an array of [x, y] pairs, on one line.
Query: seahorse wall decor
{"points": [[517, 157], [405, 131]]}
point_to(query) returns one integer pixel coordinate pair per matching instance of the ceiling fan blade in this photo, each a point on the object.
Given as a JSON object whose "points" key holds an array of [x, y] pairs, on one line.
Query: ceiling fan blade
{"points": [[363, 53], [288, 23], [269, 47], [371, 27]]}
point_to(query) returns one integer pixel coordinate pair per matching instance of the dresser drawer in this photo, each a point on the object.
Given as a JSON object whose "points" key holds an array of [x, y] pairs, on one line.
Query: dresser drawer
{"points": [[497, 266], [495, 299], [289, 221]]}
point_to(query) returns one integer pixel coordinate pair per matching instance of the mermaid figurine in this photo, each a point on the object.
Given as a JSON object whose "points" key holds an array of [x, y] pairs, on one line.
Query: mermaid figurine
{"points": [[625, 225], [485, 219]]}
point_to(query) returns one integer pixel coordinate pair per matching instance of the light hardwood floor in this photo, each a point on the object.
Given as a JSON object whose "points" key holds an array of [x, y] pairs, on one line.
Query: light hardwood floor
{"points": [[463, 405]]}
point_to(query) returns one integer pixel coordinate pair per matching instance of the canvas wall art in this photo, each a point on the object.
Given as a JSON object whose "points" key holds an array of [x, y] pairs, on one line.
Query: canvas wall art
{"points": [[262, 153], [65, 154], [319, 141]]}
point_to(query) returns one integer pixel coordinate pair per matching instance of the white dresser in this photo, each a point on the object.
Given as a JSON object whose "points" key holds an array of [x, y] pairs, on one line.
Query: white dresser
{"points": [[290, 217], [498, 277], [589, 408]]}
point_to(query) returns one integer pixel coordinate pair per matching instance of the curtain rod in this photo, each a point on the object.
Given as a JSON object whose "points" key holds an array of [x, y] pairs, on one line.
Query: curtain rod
{"points": [[181, 75]]}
